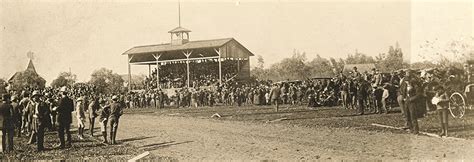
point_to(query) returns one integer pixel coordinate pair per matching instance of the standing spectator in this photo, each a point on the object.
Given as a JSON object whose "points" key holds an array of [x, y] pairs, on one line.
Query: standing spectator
{"points": [[40, 114], [441, 101], [17, 111], [6, 113], [275, 93], [103, 119], [362, 94], [64, 110], [92, 111], [116, 111], [414, 92], [378, 97], [25, 113], [385, 97], [81, 116], [344, 89]]}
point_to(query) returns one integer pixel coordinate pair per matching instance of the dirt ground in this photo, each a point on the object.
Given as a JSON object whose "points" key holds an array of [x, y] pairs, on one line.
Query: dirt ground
{"points": [[260, 133], [297, 133]]}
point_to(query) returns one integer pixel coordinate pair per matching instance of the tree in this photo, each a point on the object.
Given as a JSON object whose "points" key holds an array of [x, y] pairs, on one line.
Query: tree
{"points": [[259, 72], [261, 62], [64, 79], [359, 58], [27, 80], [106, 81], [292, 68], [320, 66], [391, 61], [448, 54]]}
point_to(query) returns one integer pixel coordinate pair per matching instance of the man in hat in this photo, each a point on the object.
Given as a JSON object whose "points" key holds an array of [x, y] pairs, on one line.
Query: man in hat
{"points": [[24, 112], [92, 110], [6, 113], [17, 111], [275, 93], [40, 112], [362, 94], [81, 116], [103, 118], [355, 73], [116, 111], [64, 110]]}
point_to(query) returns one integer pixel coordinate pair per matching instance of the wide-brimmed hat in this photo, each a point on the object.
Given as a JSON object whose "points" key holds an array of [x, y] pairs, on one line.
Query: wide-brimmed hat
{"points": [[114, 97], [80, 99], [36, 93]]}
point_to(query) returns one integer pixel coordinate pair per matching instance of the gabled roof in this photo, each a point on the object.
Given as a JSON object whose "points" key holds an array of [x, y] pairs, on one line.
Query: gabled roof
{"points": [[13, 77], [179, 29], [30, 67], [168, 47]]}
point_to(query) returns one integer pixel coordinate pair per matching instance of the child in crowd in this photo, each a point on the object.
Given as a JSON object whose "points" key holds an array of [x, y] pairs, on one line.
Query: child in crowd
{"points": [[441, 101]]}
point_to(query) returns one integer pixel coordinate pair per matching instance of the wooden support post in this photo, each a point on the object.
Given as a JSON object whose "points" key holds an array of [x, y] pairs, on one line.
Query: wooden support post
{"points": [[157, 56], [218, 51], [130, 57], [149, 69], [238, 65], [187, 54]]}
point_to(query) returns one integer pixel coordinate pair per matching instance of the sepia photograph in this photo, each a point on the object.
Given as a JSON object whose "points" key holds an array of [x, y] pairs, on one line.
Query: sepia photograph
{"points": [[237, 80]]}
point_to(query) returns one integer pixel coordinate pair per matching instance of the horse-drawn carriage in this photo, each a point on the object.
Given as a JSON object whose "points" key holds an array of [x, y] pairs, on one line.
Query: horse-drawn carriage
{"points": [[461, 100]]}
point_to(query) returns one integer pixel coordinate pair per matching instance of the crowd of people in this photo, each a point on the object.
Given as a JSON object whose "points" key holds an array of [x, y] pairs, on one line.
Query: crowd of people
{"points": [[30, 114], [174, 75], [366, 92]]}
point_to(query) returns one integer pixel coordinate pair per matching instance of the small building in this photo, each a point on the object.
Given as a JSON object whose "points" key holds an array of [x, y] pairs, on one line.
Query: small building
{"points": [[30, 67]]}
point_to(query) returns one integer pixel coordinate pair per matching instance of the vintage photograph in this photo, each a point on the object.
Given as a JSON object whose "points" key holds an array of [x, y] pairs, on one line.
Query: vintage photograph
{"points": [[237, 80]]}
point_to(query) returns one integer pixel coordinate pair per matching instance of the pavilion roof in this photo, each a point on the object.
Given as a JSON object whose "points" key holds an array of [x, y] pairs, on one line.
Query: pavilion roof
{"points": [[179, 29], [168, 47]]}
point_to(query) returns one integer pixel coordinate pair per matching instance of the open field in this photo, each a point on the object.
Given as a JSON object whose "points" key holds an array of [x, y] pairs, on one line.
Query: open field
{"points": [[260, 133]]}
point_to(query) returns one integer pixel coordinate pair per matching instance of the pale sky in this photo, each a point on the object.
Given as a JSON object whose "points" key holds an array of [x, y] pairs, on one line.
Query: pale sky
{"points": [[85, 36]]}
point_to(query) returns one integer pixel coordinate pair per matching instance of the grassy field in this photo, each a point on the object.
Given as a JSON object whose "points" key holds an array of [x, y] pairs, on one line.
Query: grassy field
{"points": [[91, 148], [328, 117], [334, 117]]}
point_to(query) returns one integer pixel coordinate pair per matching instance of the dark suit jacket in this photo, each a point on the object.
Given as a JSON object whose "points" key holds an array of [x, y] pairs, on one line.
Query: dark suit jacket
{"points": [[64, 110]]}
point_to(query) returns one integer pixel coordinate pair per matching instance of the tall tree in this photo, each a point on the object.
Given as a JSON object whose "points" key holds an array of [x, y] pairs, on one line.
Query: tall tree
{"points": [[450, 53], [64, 79], [106, 81], [392, 60], [359, 58]]}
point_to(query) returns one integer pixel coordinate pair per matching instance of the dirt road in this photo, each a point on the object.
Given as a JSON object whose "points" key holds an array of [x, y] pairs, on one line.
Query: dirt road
{"points": [[214, 139]]}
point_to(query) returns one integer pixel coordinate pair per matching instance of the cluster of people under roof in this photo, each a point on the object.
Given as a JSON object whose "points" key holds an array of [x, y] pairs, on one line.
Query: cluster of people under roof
{"points": [[202, 73]]}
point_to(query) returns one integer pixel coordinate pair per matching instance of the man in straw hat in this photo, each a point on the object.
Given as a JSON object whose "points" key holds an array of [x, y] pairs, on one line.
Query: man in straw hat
{"points": [[40, 113]]}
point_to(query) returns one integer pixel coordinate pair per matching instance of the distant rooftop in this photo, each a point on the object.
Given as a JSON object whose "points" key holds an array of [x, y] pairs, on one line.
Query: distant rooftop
{"points": [[179, 29], [168, 47]]}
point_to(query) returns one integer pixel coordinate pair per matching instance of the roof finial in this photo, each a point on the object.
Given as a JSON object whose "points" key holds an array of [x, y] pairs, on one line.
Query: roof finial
{"points": [[179, 13], [30, 55]]}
